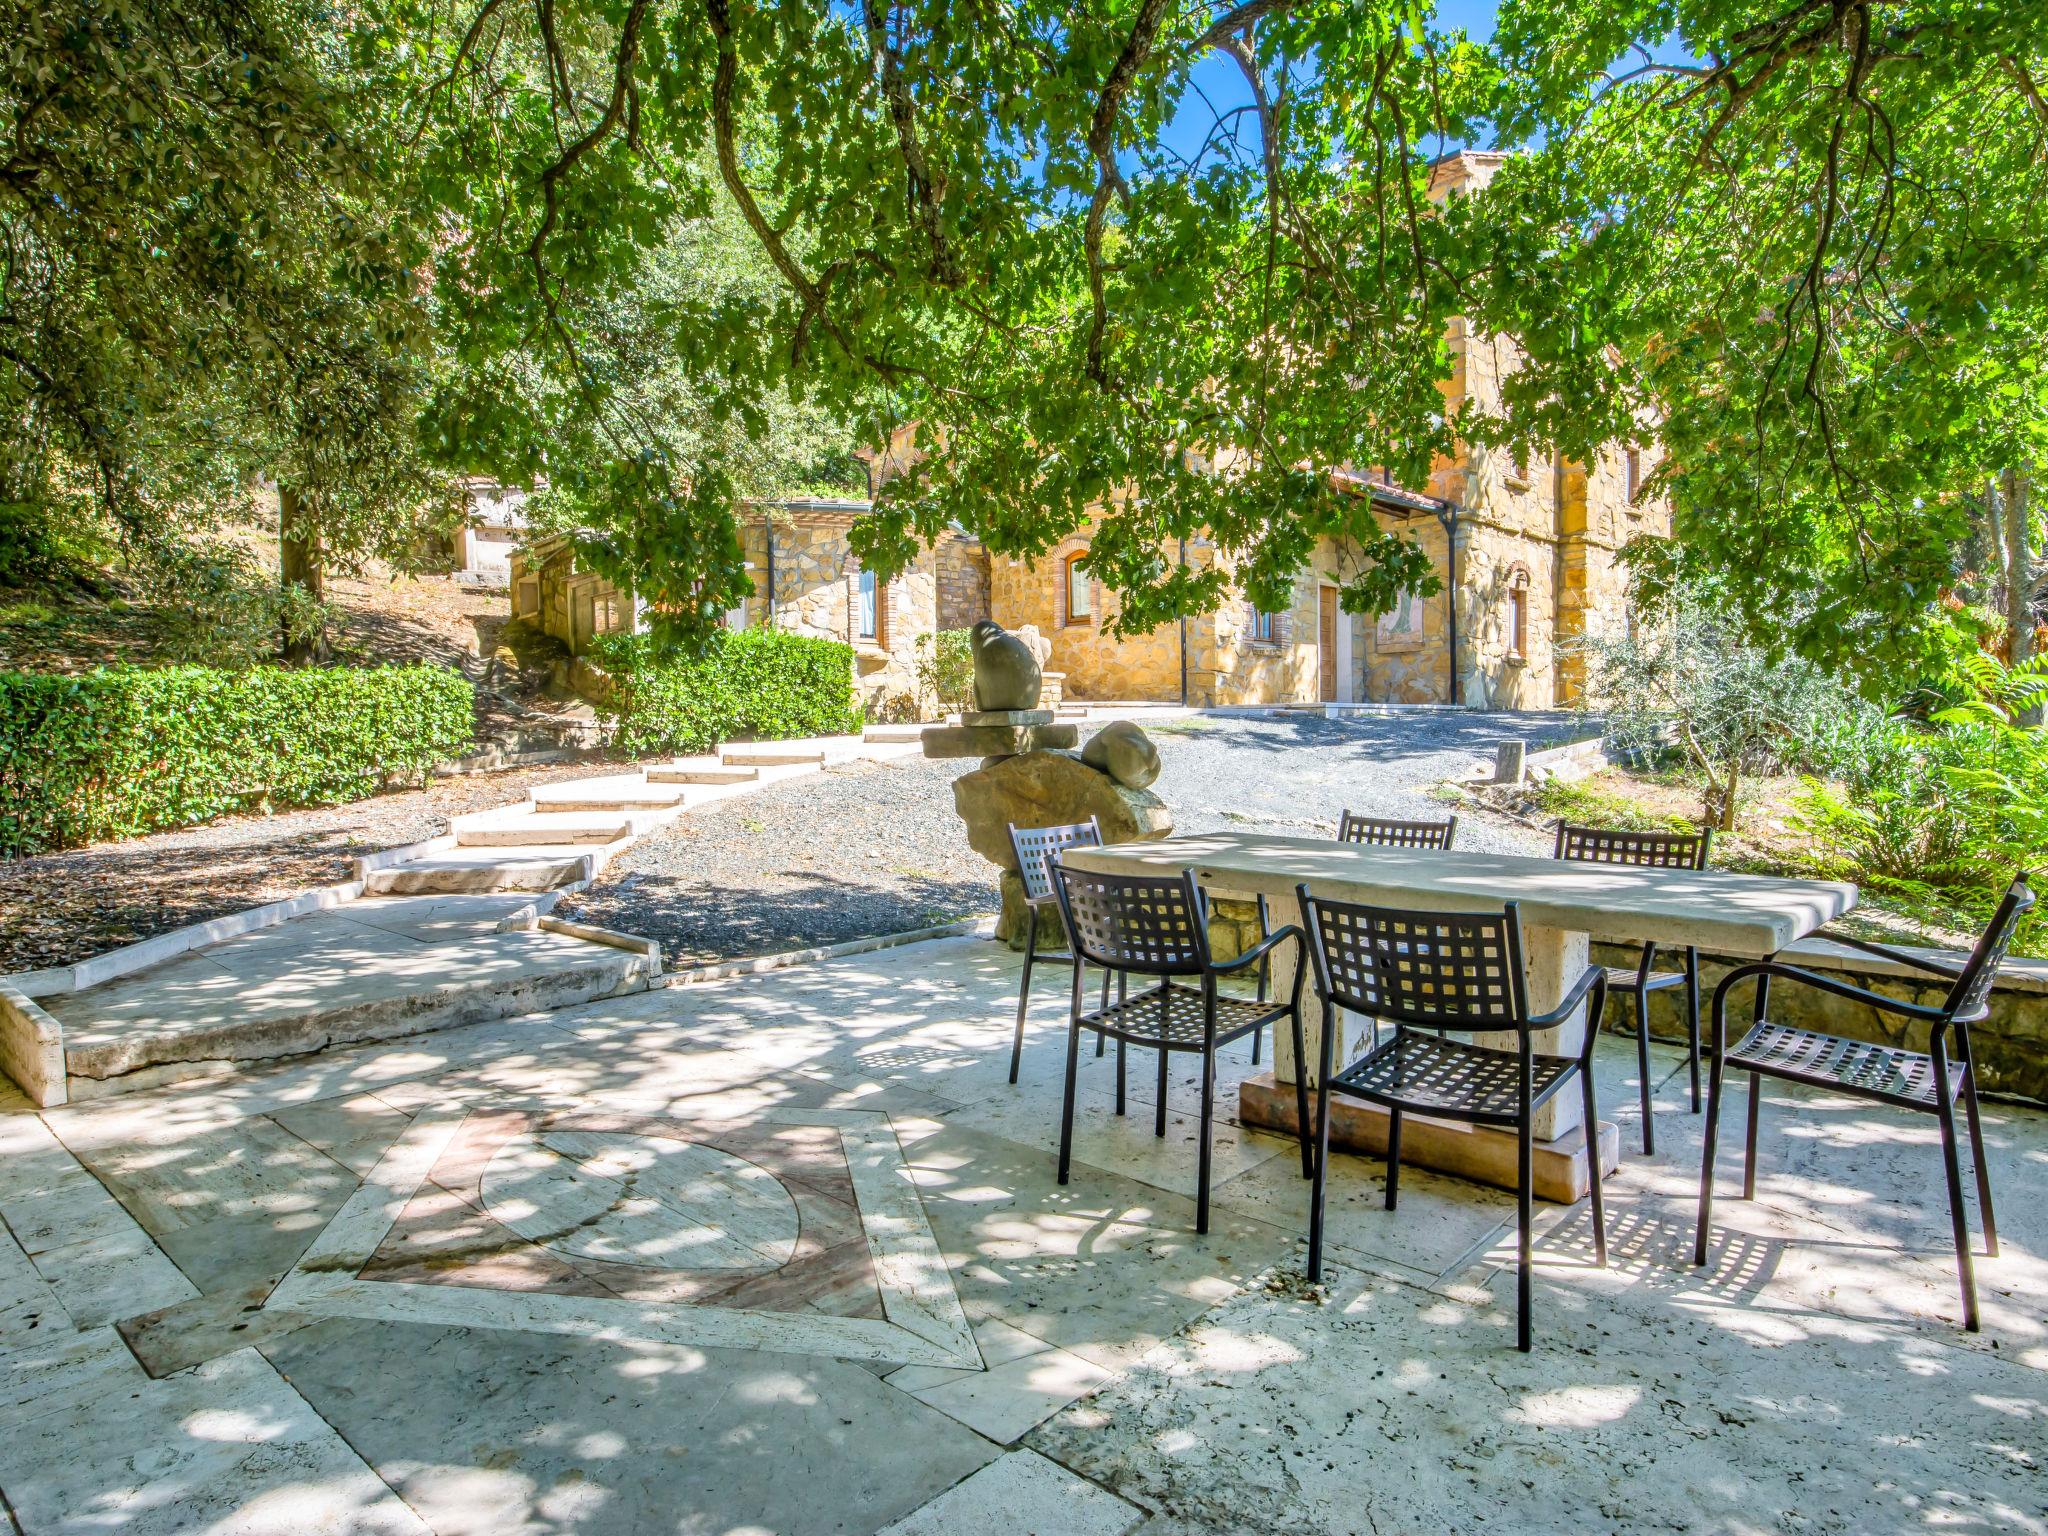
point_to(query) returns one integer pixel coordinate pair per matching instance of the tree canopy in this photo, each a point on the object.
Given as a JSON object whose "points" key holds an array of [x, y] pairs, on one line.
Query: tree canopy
{"points": [[1091, 250]]}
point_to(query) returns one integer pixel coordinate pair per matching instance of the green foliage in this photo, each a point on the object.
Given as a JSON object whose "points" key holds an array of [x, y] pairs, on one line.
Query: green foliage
{"points": [[1586, 804], [1807, 242], [1945, 812], [945, 671], [124, 750], [760, 684], [215, 606], [1683, 677]]}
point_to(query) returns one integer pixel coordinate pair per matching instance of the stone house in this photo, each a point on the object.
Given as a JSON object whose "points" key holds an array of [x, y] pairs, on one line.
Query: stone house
{"points": [[1525, 552]]}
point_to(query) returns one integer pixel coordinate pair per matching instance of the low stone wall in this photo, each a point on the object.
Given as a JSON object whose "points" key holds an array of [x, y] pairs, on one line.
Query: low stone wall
{"points": [[2011, 1045]]}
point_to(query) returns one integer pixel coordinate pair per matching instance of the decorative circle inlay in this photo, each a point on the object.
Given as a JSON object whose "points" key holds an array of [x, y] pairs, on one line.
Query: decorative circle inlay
{"points": [[631, 1199]]}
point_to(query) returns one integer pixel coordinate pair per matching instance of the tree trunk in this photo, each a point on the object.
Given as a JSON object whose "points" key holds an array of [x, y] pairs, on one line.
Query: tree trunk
{"points": [[2016, 494], [299, 565]]}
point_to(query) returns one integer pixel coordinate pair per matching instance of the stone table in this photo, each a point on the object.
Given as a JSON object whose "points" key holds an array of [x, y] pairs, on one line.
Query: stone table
{"points": [[1564, 906]]}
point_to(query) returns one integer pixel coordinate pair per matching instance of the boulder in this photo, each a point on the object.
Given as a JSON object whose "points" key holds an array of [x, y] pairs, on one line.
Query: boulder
{"points": [[1035, 642], [942, 741], [1006, 673], [1049, 789], [1123, 752]]}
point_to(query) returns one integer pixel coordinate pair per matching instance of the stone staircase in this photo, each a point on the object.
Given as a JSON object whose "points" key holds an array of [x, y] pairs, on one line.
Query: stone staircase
{"points": [[448, 932]]}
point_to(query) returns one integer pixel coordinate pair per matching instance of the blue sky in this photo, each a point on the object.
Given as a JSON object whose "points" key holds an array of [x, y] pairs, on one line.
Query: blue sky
{"points": [[1219, 79]]}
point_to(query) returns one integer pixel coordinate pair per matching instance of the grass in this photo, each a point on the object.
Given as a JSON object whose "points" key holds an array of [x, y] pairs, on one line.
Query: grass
{"points": [[1193, 725], [1586, 803]]}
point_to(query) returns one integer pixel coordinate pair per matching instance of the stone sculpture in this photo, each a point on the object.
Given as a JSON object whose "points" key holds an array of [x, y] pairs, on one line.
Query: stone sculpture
{"points": [[1006, 673], [1123, 752]]}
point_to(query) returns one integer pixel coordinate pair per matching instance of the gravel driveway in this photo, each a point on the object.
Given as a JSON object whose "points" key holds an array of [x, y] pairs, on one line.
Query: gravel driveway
{"points": [[874, 848]]}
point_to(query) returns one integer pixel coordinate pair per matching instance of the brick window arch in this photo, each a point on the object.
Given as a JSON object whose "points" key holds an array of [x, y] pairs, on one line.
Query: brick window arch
{"points": [[1077, 588]]}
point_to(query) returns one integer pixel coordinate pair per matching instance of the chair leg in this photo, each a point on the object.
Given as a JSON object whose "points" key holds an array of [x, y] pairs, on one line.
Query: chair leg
{"points": [[1303, 1129], [1958, 1217], [1393, 1157], [1525, 1181], [1692, 1022], [1024, 990], [1119, 1075], [1643, 1069], [1756, 1106], [1102, 1040], [1713, 1130], [1977, 1156], [1067, 1106], [1593, 1164], [1320, 1178], [1208, 1135], [1159, 1110], [1258, 1038]]}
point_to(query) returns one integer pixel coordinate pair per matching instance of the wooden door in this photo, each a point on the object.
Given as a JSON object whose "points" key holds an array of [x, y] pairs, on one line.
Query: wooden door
{"points": [[1326, 642]]}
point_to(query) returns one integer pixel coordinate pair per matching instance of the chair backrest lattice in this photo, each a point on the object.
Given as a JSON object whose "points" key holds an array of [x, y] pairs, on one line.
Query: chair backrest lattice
{"points": [[1442, 970], [1969, 999], [1381, 832], [1037, 848], [1651, 850], [1152, 924]]}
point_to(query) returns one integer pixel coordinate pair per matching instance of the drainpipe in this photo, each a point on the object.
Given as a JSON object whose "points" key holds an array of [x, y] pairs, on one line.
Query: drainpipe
{"points": [[1183, 635], [768, 540], [1449, 518]]}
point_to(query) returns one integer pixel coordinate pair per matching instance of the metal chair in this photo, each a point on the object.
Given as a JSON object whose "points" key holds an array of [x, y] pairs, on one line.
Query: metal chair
{"points": [[1036, 848], [1930, 1084], [1382, 833], [1150, 925], [1654, 850], [1429, 973]]}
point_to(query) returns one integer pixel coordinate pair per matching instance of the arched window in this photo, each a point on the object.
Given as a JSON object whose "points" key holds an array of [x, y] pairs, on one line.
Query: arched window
{"points": [[1518, 612], [1080, 589]]}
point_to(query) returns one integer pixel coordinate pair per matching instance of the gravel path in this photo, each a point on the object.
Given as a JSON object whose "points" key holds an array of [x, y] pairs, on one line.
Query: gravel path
{"points": [[59, 908], [874, 848]]}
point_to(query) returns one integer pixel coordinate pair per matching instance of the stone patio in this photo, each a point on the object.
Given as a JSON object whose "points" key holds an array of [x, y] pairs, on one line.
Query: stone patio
{"points": [[785, 1254]]}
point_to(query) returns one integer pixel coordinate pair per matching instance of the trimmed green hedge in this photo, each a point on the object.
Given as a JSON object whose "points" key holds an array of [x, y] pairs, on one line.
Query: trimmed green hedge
{"points": [[763, 684], [125, 750]]}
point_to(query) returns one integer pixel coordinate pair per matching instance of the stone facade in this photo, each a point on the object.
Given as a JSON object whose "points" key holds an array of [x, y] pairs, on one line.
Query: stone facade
{"points": [[573, 605], [818, 591]]}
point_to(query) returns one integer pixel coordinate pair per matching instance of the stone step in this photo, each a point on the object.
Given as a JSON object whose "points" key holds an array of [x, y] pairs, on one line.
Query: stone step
{"points": [[373, 969], [478, 870], [892, 735], [520, 825], [701, 773], [773, 755], [608, 792]]}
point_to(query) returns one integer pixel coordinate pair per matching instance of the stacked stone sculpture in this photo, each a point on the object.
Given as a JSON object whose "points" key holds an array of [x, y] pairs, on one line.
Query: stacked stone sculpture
{"points": [[1030, 775]]}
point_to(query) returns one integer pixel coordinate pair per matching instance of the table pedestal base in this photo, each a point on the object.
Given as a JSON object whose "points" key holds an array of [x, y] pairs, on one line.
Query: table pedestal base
{"points": [[1477, 1152]]}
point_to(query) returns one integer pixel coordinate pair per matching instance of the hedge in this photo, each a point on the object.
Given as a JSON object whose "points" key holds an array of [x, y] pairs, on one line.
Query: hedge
{"points": [[759, 684], [125, 750]]}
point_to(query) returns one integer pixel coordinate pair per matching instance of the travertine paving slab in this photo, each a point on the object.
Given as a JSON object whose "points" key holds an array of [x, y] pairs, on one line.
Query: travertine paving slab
{"points": [[227, 1448], [486, 1432], [1022, 1494]]}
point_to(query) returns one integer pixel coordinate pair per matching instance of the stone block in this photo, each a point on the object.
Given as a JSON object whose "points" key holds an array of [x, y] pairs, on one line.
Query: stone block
{"points": [[943, 741], [1123, 752], [1007, 717], [1046, 789], [1482, 1153]]}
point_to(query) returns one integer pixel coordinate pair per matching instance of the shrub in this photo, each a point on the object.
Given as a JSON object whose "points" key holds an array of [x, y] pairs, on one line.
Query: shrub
{"points": [[762, 684], [945, 671], [124, 750]]}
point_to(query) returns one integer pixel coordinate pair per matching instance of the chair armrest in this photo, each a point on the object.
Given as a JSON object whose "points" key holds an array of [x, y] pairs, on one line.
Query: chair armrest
{"points": [[1259, 951], [1887, 952], [1778, 969], [1592, 976]]}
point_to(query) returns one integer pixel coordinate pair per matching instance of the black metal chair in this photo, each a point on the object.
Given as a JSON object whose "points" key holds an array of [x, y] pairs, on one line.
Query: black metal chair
{"points": [[1930, 1084], [1654, 850], [1383, 833], [1150, 925], [1036, 848], [1429, 973]]}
